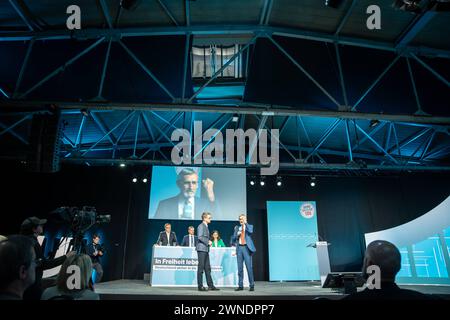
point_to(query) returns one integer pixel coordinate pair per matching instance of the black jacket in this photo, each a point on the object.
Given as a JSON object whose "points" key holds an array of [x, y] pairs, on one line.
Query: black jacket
{"points": [[34, 291], [185, 242], [162, 239], [389, 291], [90, 252]]}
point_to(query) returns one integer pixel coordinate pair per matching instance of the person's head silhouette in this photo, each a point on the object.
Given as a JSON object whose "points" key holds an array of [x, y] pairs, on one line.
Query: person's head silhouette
{"points": [[386, 256]]}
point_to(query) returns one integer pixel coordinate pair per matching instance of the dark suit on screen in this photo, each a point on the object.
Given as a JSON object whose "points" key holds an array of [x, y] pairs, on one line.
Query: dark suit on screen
{"points": [[244, 254], [203, 255], [164, 241], [168, 208]]}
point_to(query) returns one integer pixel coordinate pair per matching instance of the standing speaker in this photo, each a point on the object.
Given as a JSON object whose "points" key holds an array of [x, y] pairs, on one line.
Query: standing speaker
{"points": [[45, 142]]}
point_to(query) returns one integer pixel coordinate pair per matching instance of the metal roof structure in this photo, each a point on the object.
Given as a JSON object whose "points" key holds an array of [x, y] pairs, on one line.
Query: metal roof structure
{"points": [[343, 97]]}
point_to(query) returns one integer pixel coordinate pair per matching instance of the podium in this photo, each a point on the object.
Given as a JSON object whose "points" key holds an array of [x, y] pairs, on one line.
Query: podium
{"points": [[323, 259]]}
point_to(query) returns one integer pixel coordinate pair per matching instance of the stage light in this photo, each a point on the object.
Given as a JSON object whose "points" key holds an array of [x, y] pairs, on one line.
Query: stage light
{"points": [[312, 182], [279, 182], [129, 4], [122, 165], [252, 183], [144, 180], [84, 112], [262, 182], [374, 123], [134, 180], [333, 3], [414, 6], [235, 118]]}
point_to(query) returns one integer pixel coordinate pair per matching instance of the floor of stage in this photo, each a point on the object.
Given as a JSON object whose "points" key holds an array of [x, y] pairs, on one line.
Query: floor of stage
{"points": [[139, 289]]}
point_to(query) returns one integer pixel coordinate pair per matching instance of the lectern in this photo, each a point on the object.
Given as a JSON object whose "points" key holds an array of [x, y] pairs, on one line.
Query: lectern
{"points": [[323, 259]]}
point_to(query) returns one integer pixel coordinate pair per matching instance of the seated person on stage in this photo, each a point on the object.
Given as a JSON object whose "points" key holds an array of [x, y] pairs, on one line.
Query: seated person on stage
{"points": [[84, 291], [186, 205], [17, 266], [217, 242], [167, 237], [386, 256], [190, 240]]}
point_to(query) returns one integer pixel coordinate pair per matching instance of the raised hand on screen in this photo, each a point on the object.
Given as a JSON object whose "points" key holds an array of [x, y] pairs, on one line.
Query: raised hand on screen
{"points": [[208, 184]]}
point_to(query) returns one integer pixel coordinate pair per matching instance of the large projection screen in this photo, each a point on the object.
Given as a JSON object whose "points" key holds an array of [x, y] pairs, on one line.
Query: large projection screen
{"points": [[183, 193], [424, 245]]}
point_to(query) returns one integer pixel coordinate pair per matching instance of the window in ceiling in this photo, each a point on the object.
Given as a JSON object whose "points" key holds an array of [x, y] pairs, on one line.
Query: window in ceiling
{"points": [[207, 60]]}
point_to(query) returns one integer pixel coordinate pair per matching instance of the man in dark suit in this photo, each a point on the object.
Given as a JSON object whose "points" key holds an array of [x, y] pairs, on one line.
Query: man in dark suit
{"points": [[387, 257], [167, 237], [245, 248], [186, 205], [190, 240], [203, 253]]}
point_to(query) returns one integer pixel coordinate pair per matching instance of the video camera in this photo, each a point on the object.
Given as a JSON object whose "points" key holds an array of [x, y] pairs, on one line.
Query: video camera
{"points": [[79, 221]]}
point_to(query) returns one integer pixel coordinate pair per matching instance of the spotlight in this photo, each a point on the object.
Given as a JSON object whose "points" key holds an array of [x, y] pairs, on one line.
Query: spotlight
{"points": [[122, 165], [312, 182], [279, 181], [414, 6], [134, 180], [252, 183], [129, 4], [235, 118], [333, 3], [144, 180], [85, 112], [262, 182], [374, 123]]}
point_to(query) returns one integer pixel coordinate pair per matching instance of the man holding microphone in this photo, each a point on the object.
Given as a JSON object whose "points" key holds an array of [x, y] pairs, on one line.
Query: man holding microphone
{"points": [[245, 249]]}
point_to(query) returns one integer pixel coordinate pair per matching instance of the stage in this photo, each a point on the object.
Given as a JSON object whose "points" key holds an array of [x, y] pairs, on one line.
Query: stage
{"points": [[141, 290]]}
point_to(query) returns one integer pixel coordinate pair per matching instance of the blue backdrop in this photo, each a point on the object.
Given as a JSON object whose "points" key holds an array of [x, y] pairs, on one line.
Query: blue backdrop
{"points": [[292, 226]]}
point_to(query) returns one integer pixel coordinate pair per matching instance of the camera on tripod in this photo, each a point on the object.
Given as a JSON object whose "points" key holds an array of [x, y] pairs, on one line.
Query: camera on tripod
{"points": [[79, 221]]}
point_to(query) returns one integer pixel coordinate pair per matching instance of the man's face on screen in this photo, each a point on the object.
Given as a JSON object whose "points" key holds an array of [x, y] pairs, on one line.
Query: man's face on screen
{"points": [[188, 185]]}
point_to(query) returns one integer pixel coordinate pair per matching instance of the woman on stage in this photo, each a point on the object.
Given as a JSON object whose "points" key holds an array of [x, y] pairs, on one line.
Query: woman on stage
{"points": [[217, 242]]}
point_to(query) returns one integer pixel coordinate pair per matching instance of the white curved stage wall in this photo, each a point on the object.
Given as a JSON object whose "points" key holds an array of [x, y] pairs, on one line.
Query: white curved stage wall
{"points": [[424, 244]]}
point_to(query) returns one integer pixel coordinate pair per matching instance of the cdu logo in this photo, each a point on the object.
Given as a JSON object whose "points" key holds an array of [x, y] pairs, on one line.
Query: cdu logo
{"points": [[307, 210]]}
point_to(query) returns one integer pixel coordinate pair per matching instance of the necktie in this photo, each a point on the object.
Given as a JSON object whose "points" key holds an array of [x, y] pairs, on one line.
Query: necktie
{"points": [[243, 235], [187, 210], [190, 241]]}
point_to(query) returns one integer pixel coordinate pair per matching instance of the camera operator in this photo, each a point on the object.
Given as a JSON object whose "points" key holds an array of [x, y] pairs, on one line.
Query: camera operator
{"points": [[33, 227], [95, 251]]}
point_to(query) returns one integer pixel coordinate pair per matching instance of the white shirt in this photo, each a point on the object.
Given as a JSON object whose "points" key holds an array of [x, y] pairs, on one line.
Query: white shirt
{"points": [[182, 203], [191, 240], [168, 238], [242, 229]]}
